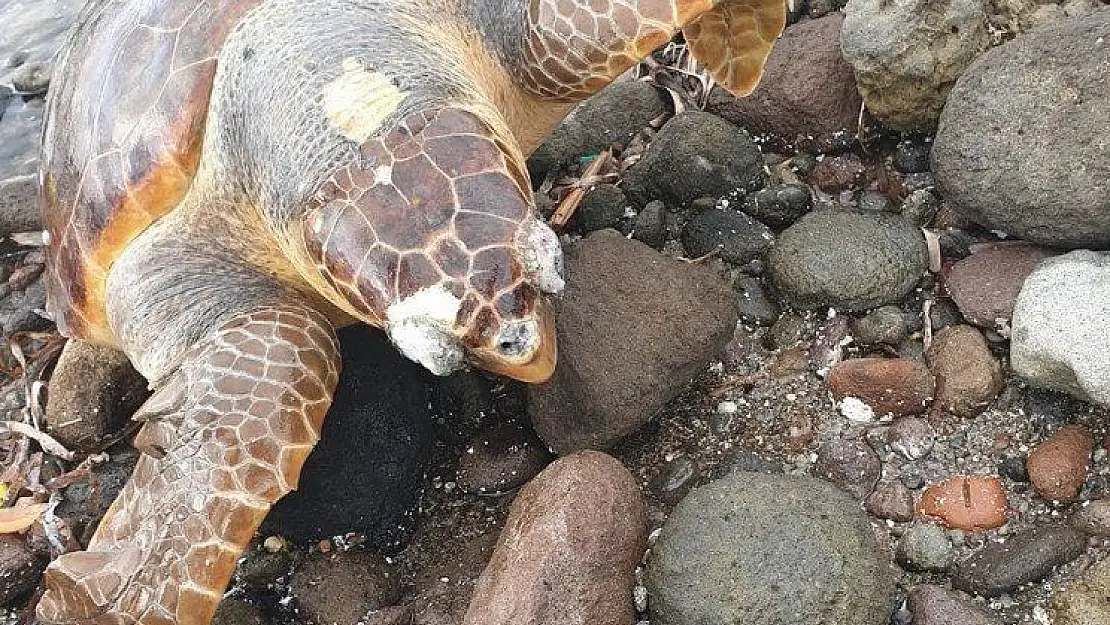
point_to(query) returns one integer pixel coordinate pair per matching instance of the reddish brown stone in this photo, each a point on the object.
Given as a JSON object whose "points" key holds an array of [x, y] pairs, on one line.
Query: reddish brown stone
{"points": [[1058, 467], [838, 173], [888, 385], [970, 503], [986, 284], [968, 378]]}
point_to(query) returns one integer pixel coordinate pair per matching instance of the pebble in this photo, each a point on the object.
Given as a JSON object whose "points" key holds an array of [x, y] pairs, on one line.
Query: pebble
{"points": [[986, 284], [343, 586], [754, 305], [891, 500], [888, 385], [675, 479], [734, 236], [1013, 467], [850, 465], [912, 437], [501, 459], [260, 569], [920, 207], [970, 503], [19, 209], [968, 376], [911, 155], [885, 325], [924, 547], [748, 462], [1093, 518], [1028, 556], [835, 174], [874, 202], [568, 549], [634, 328], [650, 226], [20, 569], [751, 543], [850, 261], [1058, 467], [1084, 602], [602, 207], [778, 206], [934, 605], [32, 78]]}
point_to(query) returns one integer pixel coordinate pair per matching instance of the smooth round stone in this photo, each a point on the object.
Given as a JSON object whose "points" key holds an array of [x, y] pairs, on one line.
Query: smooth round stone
{"points": [[501, 459], [924, 547]]}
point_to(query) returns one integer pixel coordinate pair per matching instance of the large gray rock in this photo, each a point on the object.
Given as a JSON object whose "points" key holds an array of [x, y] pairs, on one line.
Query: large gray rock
{"points": [[1060, 338], [850, 261], [1031, 159], [768, 550], [907, 54], [634, 327], [19, 209]]}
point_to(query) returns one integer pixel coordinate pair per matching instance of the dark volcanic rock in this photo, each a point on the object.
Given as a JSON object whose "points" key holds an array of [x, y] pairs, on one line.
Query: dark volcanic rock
{"points": [[735, 237], [779, 205], [634, 327], [1026, 557], [933, 605], [602, 207], [342, 587], [501, 459], [20, 569], [850, 465]]}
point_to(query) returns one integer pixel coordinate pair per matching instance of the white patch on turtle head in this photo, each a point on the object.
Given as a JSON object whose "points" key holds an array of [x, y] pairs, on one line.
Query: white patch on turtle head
{"points": [[359, 100], [541, 255], [420, 326]]}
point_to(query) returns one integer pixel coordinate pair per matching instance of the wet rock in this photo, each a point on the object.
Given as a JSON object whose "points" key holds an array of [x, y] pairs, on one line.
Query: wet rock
{"points": [[602, 207], [934, 605], [19, 209], [849, 261], [924, 547], [778, 205], [912, 437], [339, 588], [986, 284], [569, 548], [920, 207], [1058, 467], [92, 395], [20, 569], [885, 325], [751, 543], [675, 479], [501, 459], [887, 385], [695, 155], [891, 500], [1093, 518], [1025, 557], [836, 174], [807, 97], [1084, 601], [634, 327], [911, 155], [970, 503], [650, 226], [1059, 338], [755, 306], [236, 612], [1022, 160], [968, 376], [851, 465], [365, 473], [734, 236], [260, 569], [907, 55], [613, 116]]}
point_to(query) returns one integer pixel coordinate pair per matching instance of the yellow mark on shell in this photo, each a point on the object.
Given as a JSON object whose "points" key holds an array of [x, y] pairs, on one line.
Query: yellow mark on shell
{"points": [[359, 100]]}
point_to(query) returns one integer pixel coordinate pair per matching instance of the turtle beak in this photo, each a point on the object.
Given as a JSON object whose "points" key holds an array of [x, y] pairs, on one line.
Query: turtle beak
{"points": [[525, 349]]}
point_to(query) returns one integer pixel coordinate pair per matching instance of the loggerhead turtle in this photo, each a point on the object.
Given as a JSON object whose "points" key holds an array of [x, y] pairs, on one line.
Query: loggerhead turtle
{"points": [[227, 181]]}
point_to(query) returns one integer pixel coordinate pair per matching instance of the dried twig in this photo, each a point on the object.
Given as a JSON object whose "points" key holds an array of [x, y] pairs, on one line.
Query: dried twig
{"points": [[48, 443], [569, 204]]}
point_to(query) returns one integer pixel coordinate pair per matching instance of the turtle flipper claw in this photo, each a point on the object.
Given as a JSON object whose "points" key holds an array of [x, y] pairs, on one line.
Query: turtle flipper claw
{"points": [[255, 396]]}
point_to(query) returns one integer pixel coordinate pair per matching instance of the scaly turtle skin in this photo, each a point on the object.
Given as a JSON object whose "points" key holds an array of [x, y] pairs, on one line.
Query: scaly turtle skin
{"points": [[227, 181]]}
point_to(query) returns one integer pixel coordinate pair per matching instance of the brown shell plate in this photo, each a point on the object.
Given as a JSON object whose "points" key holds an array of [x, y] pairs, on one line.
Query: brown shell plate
{"points": [[122, 137]]}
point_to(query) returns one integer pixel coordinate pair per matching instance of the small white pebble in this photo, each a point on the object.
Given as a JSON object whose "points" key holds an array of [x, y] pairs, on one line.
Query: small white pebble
{"points": [[855, 410], [727, 407], [273, 544]]}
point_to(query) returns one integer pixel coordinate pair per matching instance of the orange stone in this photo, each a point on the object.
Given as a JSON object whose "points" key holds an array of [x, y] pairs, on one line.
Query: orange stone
{"points": [[1058, 467], [966, 502]]}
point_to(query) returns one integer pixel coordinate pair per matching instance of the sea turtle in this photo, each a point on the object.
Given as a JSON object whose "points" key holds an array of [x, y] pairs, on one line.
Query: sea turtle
{"points": [[227, 181]]}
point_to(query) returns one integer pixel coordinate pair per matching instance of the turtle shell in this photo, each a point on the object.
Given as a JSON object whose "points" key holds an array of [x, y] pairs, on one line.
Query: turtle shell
{"points": [[122, 138]]}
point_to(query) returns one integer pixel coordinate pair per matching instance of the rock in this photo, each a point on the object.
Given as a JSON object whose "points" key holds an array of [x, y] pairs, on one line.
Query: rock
{"points": [[1093, 518], [970, 503], [735, 237], [650, 226], [236, 612], [634, 327], [1013, 467], [32, 78], [1059, 338], [891, 500], [849, 261], [602, 207], [968, 376], [755, 306], [911, 154], [907, 55], [1025, 557], [912, 437], [920, 207], [874, 202], [790, 549], [807, 99], [568, 551], [92, 394], [366, 472], [260, 569], [340, 587], [747, 462], [851, 465], [675, 479], [934, 605], [888, 385], [501, 459], [787, 330], [986, 284], [1083, 602], [778, 205], [19, 209], [1023, 161], [695, 155], [1058, 467], [837, 174], [18, 310], [613, 116], [885, 325], [924, 547], [86, 502], [20, 569]]}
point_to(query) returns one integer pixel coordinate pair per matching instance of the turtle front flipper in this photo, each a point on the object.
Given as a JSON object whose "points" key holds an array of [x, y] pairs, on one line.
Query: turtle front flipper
{"points": [[574, 48], [226, 435]]}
